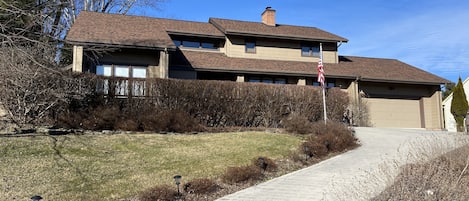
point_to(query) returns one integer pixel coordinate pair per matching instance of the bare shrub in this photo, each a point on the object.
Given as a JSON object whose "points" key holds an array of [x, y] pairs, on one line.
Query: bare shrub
{"points": [[328, 138], [313, 148], [201, 186], [184, 105], [298, 125], [242, 174], [360, 113], [337, 102], [127, 125], [181, 122], [34, 91], [265, 164], [164, 193]]}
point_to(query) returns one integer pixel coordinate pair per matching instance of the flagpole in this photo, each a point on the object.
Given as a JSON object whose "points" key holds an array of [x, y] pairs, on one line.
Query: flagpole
{"points": [[323, 87]]}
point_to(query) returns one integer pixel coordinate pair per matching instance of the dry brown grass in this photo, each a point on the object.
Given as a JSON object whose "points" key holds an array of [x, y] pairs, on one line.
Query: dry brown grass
{"points": [[429, 168], [443, 178]]}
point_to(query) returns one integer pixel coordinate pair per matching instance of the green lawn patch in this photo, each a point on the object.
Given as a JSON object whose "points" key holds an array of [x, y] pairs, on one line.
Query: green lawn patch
{"points": [[108, 167]]}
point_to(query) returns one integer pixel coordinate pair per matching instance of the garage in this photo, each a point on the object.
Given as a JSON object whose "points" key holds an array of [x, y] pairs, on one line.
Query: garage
{"points": [[397, 113]]}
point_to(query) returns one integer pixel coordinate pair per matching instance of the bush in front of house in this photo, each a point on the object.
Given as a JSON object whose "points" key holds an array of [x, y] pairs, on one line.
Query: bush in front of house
{"points": [[298, 124], [328, 138], [201, 186], [164, 192], [188, 105], [129, 116], [242, 174], [265, 164]]}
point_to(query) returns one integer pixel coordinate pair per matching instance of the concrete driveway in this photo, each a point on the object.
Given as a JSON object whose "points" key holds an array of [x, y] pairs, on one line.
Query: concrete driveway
{"points": [[354, 175]]}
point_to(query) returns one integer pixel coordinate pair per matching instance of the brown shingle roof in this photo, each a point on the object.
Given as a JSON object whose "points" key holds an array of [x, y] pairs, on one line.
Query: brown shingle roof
{"points": [[138, 31], [236, 27], [368, 69], [92, 27]]}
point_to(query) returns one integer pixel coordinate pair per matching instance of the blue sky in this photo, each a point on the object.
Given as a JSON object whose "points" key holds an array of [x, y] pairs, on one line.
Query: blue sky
{"points": [[431, 35]]}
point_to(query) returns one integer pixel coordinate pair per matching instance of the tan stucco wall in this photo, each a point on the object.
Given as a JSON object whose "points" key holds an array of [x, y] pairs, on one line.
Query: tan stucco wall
{"points": [[432, 111], [276, 50]]}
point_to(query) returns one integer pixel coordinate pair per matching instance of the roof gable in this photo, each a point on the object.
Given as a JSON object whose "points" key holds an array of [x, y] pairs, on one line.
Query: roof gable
{"points": [[235, 27]]}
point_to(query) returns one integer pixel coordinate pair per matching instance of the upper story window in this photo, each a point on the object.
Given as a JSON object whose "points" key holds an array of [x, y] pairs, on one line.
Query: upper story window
{"points": [[250, 47], [195, 44], [310, 51]]}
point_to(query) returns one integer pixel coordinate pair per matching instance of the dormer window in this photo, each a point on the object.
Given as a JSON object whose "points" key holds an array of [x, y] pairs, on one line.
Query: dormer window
{"points": [[196, 44], [310, 51], [250, 46]]}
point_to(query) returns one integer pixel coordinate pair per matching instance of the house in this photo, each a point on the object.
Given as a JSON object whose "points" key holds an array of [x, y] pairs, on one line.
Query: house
{"points": [[397, 94], [450, 123]]}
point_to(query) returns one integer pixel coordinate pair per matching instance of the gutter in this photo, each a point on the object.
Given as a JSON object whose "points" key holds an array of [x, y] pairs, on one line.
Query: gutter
{"points": [[168, 48]]}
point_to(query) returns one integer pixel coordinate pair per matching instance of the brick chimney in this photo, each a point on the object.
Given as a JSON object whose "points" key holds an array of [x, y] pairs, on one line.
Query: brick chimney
{"points": [[268, 16]]}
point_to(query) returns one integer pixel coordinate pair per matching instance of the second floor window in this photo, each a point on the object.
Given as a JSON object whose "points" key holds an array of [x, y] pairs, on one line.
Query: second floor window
{"points": [[250, 47], [310, 51], [195, 44]]}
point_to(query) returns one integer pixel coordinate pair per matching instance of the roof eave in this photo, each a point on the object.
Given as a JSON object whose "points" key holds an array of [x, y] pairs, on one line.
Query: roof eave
{"points": [[318, 39], [296, 74], [179, 33], [157, 47], [401, 81]]}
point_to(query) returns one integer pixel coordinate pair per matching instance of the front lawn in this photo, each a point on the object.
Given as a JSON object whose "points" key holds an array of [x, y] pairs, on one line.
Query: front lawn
{"points": [[109, 167]]}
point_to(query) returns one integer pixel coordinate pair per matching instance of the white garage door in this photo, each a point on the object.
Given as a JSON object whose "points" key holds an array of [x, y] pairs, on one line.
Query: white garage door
{"points": [[396, 113]]}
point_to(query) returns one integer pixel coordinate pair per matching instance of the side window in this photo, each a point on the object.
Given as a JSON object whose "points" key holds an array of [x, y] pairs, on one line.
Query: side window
{"points": [[310, 51], [250, 47]]}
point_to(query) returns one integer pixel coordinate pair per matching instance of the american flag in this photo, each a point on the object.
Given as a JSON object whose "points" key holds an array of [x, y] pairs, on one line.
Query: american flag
{"points": [[321, 76]]}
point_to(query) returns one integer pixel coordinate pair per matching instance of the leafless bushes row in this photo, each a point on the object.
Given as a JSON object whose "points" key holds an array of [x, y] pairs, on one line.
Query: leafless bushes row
{"points": [[210, 103]]}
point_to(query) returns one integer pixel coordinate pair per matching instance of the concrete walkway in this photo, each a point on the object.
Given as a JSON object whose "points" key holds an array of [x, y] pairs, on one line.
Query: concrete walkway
{"points": [[350, 176]]}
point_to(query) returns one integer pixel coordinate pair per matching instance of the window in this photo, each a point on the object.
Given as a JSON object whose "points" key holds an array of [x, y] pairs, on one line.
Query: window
{"points": [[268, 80], [250, 47], [280, 81], [191, 44], [121, 86], [329, 83], [195, 44], [208, 45], [310, 51]]}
